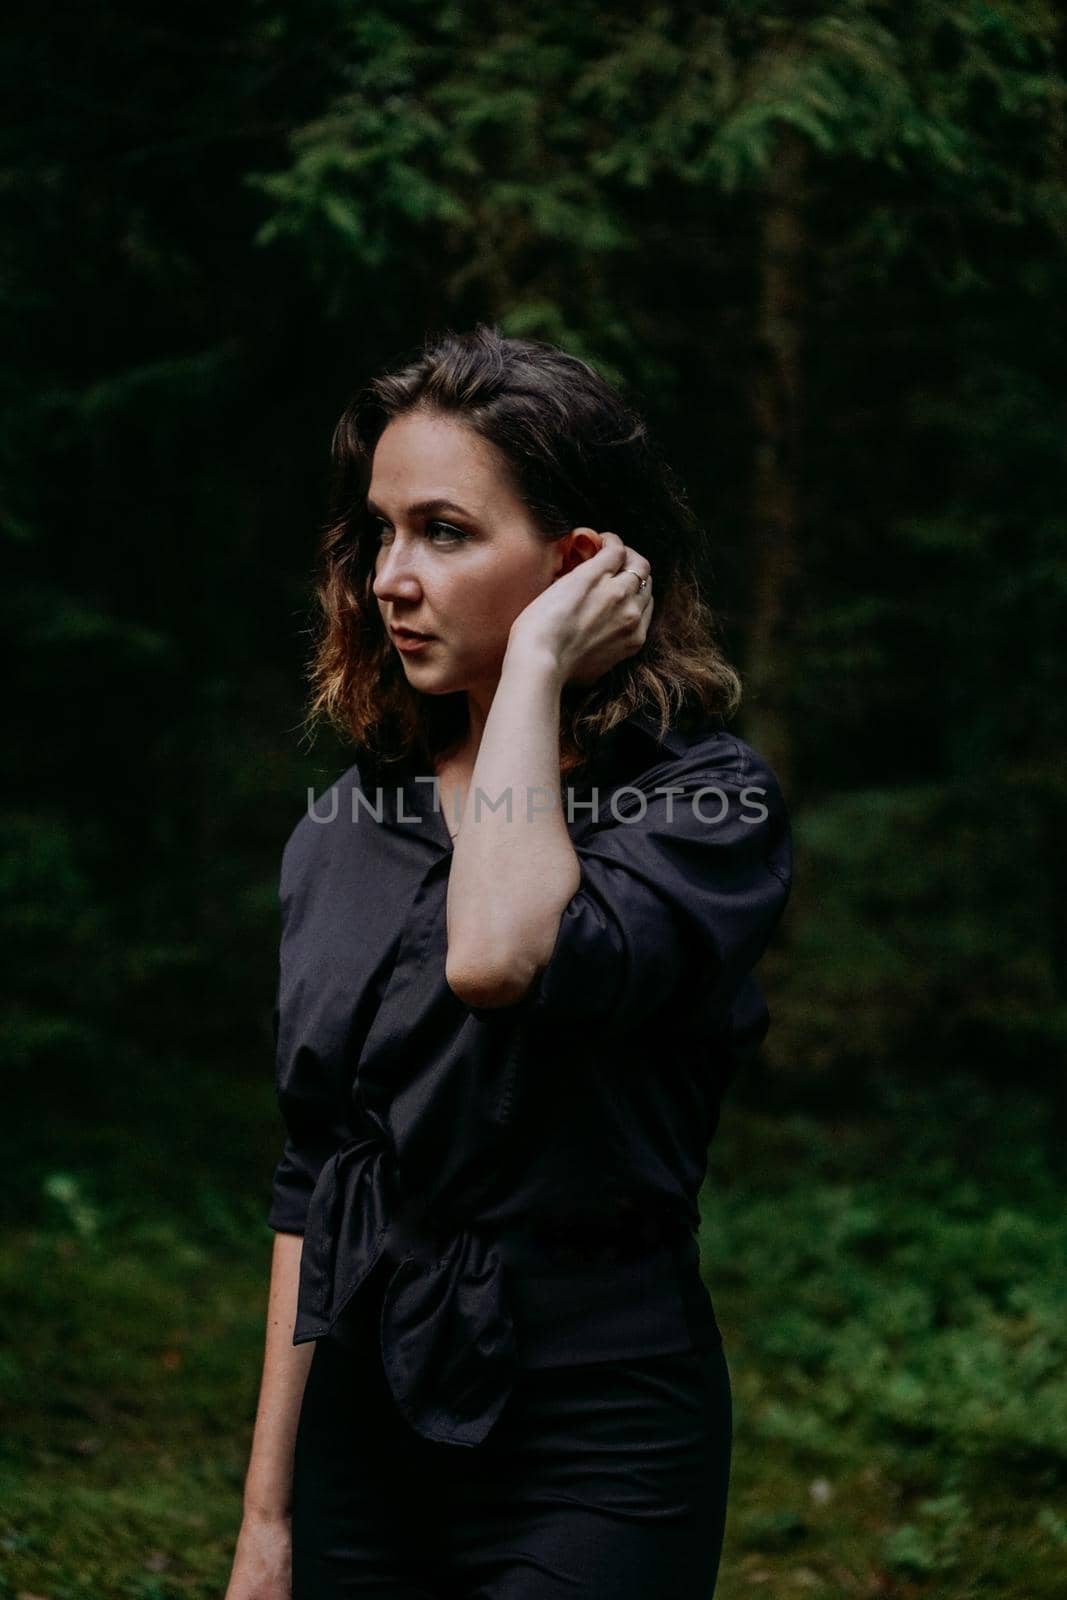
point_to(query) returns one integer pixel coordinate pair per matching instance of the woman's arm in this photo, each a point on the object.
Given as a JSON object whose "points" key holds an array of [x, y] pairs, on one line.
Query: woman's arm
{"points": [[262, 1566], [285, 1368], [511, 876]]}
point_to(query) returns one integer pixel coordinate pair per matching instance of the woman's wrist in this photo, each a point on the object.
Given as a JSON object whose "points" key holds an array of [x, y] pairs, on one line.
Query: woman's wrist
{"points": [[527, 655], [264, 1515]]}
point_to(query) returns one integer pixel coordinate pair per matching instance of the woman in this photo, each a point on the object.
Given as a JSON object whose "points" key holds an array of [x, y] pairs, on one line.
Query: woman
{"points": [[504, 1022]]}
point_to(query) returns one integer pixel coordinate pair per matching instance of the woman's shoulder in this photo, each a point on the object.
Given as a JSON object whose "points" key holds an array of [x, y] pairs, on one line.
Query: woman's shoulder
{"points": [[317, 826], [703, 746], [714, 776]]}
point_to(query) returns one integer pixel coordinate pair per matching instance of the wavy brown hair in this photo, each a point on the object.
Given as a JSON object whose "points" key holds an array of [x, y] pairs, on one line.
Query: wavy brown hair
{"points": [[578, 456]]}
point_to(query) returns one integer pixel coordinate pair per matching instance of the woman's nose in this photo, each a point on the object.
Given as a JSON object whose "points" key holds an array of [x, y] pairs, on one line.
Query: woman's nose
{"points": [[395, 572]]}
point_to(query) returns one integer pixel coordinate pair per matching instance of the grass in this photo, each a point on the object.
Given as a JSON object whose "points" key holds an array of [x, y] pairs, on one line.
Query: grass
{"points": [[892, 1289], [891, 1285]]}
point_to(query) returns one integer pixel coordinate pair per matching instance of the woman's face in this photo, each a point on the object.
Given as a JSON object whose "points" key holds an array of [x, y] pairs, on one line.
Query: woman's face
{"points": [[460, 571]]}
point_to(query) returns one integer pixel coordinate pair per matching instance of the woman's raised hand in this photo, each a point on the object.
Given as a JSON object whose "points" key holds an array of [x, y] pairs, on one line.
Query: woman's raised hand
{"points": [[592, 616]]}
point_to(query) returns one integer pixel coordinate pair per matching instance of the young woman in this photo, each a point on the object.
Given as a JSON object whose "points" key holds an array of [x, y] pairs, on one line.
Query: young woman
{"points": [[516, 973]]}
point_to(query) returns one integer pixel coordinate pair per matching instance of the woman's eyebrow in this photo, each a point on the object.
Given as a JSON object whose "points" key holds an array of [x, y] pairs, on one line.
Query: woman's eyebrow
{"points": [[421, 508]]}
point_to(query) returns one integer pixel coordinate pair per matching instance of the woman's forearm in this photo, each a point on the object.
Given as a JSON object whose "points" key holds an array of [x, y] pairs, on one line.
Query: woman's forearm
{"points": [[268, 1482], [511, 875]]}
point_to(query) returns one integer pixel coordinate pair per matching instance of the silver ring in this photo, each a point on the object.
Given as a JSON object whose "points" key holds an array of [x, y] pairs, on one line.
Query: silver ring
{"points": [[642, 583]]}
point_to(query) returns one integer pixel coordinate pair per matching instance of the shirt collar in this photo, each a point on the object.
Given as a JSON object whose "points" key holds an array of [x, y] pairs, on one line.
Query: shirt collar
{"points": [[672, 740]]}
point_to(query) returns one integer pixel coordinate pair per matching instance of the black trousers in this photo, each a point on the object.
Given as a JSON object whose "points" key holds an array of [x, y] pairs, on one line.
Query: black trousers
{"points": [[606, 1480]]}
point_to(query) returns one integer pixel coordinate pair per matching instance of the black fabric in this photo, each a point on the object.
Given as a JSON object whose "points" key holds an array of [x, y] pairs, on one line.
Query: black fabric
{"points": [[599, 1480], [429, 1134]]}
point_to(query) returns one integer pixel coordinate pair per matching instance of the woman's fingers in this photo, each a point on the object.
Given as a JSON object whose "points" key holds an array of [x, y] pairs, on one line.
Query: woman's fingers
{"points": [[622, 556], [597, 613]]}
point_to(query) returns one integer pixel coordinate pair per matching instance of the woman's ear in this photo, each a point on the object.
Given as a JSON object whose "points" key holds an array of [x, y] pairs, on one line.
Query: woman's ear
{"points": [[577, 546]]}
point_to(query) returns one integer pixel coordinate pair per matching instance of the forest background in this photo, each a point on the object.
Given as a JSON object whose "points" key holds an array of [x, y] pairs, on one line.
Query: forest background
{"points": [[823, 247]]}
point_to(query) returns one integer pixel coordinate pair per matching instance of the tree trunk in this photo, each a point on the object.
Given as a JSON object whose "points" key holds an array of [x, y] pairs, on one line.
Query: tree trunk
{"points": [[775, 399]]}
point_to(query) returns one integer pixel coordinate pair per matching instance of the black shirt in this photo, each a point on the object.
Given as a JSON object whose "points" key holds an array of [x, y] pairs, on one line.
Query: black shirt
{"points": [[527, 1174]]}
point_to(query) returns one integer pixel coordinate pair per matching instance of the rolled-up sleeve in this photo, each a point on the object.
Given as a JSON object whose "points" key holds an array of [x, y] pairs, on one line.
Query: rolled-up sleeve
{"points": [[681, 889], [295, 1177], [312, 1136]]}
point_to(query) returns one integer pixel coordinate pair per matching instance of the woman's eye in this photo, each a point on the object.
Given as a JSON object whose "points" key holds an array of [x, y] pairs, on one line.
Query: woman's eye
{"points": [[452, 534]]}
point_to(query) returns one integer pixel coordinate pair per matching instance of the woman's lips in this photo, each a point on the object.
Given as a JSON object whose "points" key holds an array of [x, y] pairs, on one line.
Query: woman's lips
{"points": [[411, 641]]}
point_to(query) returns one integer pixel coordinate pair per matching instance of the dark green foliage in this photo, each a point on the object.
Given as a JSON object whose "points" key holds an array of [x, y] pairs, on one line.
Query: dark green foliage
{"points": [[217, 223]]}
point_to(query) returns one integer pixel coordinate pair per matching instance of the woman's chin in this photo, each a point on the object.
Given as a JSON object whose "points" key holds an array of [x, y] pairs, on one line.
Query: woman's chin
{"points": [[428, 680]]}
